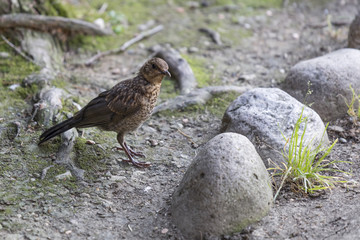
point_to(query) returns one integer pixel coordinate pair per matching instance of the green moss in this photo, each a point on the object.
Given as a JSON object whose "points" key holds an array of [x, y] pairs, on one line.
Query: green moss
{"points": [[90, 157], [168, 89], [215, 106], [12, 71], [252, 3], [55, 8], [202, 69]]}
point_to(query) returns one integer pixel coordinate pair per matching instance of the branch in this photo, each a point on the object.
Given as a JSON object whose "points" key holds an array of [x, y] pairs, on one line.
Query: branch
{"points": [[17, 50], [126, 45], [48, 23]]}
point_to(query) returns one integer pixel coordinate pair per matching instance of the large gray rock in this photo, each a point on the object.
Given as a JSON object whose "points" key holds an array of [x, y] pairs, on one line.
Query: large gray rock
{"points": [[262, 114], [330, 77], [224, 190]]}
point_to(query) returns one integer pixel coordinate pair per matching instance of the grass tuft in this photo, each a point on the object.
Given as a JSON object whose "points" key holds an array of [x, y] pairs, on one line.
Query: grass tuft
{"points": [[305, 163], [355, 113]]}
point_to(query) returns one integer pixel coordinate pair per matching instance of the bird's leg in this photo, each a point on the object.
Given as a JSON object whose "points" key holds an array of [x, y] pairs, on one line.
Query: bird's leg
{"points": [[120, 139]]}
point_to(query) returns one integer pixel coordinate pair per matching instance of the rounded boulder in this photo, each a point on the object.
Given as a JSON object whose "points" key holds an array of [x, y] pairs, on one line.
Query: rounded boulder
{"points": [[225, 189]]}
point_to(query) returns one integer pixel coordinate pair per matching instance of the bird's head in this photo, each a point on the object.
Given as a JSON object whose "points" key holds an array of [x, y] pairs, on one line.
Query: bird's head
{"points": [[155, 70]]}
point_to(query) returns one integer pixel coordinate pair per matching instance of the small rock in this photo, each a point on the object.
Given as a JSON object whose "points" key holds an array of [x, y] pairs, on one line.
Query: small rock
{"points": [[100, 23], [84, 195], [342, 140], [164, 231], [147, 189], [116, 178], [90, 142], [336, 129], [147, 25], [295, 35], [14, 86], [106, 203], [193, 50], [247, 77], [4, 55], [64, 176], [116, 71], [153, 142]]}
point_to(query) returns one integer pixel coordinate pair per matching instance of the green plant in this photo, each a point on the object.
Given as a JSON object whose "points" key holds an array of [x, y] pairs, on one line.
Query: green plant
{"points": [[305, 162], [355, 113]]}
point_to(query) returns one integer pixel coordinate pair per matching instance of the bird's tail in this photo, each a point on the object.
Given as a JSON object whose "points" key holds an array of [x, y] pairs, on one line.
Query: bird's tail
{"points": [[56, 130]]}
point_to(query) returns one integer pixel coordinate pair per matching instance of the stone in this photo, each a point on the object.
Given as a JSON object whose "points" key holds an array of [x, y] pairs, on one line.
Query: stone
{"points": [[264, 114], [225, 189], [4, 55], [330, 77]]}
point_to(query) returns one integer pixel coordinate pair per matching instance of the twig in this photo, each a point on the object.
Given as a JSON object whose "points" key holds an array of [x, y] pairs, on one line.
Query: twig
{"points": [[187, 136], [44, 171], [126, 45], [17, 50]]}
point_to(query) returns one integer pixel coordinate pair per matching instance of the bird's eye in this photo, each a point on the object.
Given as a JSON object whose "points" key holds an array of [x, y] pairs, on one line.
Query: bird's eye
{"points": [[153, 66]]}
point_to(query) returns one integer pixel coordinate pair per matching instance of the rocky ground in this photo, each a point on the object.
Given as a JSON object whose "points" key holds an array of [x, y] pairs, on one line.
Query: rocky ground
{"points": [[118, 201]]}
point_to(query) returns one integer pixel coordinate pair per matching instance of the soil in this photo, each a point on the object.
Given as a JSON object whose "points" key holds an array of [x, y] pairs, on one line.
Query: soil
{"points": [[119, 201]]}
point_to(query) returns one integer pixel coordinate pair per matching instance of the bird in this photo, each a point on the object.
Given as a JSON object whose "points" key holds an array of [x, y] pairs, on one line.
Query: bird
{"points": [[354, 33], [122, 109]]}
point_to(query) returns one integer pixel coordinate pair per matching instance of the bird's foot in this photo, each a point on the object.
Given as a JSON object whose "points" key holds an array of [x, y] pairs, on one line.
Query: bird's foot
{"points": [[131, 152], [136, 163]]}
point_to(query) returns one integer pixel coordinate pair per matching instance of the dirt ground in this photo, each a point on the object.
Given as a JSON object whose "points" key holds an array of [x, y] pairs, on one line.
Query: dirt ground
{"points": [[118, 201]]}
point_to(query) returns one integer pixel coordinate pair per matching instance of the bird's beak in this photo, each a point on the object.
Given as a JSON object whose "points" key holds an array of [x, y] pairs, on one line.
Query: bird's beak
{"points": [[167, 73]]}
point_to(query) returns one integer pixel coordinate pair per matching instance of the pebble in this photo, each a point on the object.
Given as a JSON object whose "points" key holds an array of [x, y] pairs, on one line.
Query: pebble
{"points": [[193, 50], [164, 231], [100, 23], [64, 176], [336, 129], [153, 142], [116, 71], [14, 86], [4, 55], [342, 140], [147, 189], [84, 195], [90, 142], [115, 178]]}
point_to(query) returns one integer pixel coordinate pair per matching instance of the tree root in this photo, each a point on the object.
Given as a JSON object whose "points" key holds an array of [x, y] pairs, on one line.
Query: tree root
{"points": [[179, 68], [51, 23], [45, 110], [197, 97], [189, 95]]}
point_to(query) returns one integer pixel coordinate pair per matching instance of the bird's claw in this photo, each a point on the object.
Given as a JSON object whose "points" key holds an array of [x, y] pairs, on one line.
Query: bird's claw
{"points": [[136, 163], [131, 152]]}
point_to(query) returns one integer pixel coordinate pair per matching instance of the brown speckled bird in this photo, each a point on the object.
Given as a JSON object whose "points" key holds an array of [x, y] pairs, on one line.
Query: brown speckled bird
{"points": [[354, 33], [121, 109]]}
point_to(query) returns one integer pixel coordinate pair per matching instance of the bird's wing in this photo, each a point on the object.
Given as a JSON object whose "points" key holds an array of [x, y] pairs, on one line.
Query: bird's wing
{"points": [[124, 99], [95, 113]]}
